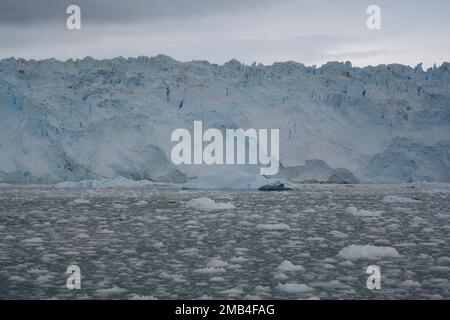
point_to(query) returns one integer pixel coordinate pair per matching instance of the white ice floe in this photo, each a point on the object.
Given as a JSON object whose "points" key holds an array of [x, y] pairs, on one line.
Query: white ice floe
{"points": [[141, 203], [210, 270], [317, 239], [111, 291], [280, 276], [120, 206], [17, 279], [395, 199], [216, 263], [260, 288], [239, 259], [118, 182], [355, 252], [139, 297], [293, 288], [217, 279], [416, 221], [338, 234], [34, 240], [79, 201], [333, 284], [346, 263], [206, 204], [82, 235], [273, 227], [44, 278], [287, 266], [410, 284], [362, 213], [232, 292], [225, 178]]}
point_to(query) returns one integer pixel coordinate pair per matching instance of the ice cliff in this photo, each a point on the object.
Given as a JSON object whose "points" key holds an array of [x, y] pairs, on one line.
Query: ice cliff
{"points": [[101, 119]]}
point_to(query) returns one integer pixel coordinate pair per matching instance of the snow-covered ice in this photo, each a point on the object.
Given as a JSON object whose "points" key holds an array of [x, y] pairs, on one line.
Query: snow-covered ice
{"points": [[393, 199], [293, 288], [355, 252], [207, 204], [288, 266], [272, 226], [362, 213]]}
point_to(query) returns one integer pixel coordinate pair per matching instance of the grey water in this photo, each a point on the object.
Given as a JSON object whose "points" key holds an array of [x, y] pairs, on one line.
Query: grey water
{"points": [[148, 243]]}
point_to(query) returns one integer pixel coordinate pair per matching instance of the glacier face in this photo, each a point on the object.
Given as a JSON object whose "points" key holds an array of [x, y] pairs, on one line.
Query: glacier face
{"points": [[102, 119]]}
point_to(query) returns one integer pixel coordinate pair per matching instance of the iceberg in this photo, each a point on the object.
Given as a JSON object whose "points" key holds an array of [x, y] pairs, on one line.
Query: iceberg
{"points": [[237, 180]]}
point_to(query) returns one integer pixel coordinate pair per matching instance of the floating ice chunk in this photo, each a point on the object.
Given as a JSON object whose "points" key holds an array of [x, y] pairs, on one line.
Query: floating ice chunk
{"points": [[410, 284], [141, 203], [417, 221], [260, 288], [37, 271], [280, 276], [217, 279], [210, 270], [393, 199], [206, 204], [216, 263], [111, 291], [287, 266], [368, 213], [34, 240], [17, 279], [318, 239], [238, 259], [293, 288], [333, 284], [44, 278], [119, 182], [351, 210], [445, 269], [79, 201], [139, 297], [445, 260], [188, 251], [362, 213], [233, 292], [82, 235], [338, 234], [273, 227], [355, 252], [346, 263], [120, 206], [226, 178]]}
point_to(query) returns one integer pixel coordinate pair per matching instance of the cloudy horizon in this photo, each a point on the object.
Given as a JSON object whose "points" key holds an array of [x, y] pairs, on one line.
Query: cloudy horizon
{"points": [[250, 31]]}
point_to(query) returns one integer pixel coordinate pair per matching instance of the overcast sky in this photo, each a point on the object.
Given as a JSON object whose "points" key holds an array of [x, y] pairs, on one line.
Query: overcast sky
{"points": [[266, 31]]}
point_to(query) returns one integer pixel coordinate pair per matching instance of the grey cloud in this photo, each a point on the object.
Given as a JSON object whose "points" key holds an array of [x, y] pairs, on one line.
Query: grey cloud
{"points": [[361, 54], [19, 12]]}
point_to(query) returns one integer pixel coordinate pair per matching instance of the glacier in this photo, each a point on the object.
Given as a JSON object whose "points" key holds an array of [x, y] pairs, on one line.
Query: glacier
{"points": [[89, 119]]}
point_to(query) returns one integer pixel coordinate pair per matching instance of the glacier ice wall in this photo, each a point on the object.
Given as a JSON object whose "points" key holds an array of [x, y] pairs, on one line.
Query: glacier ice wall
{"points": [[100, 119]]}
